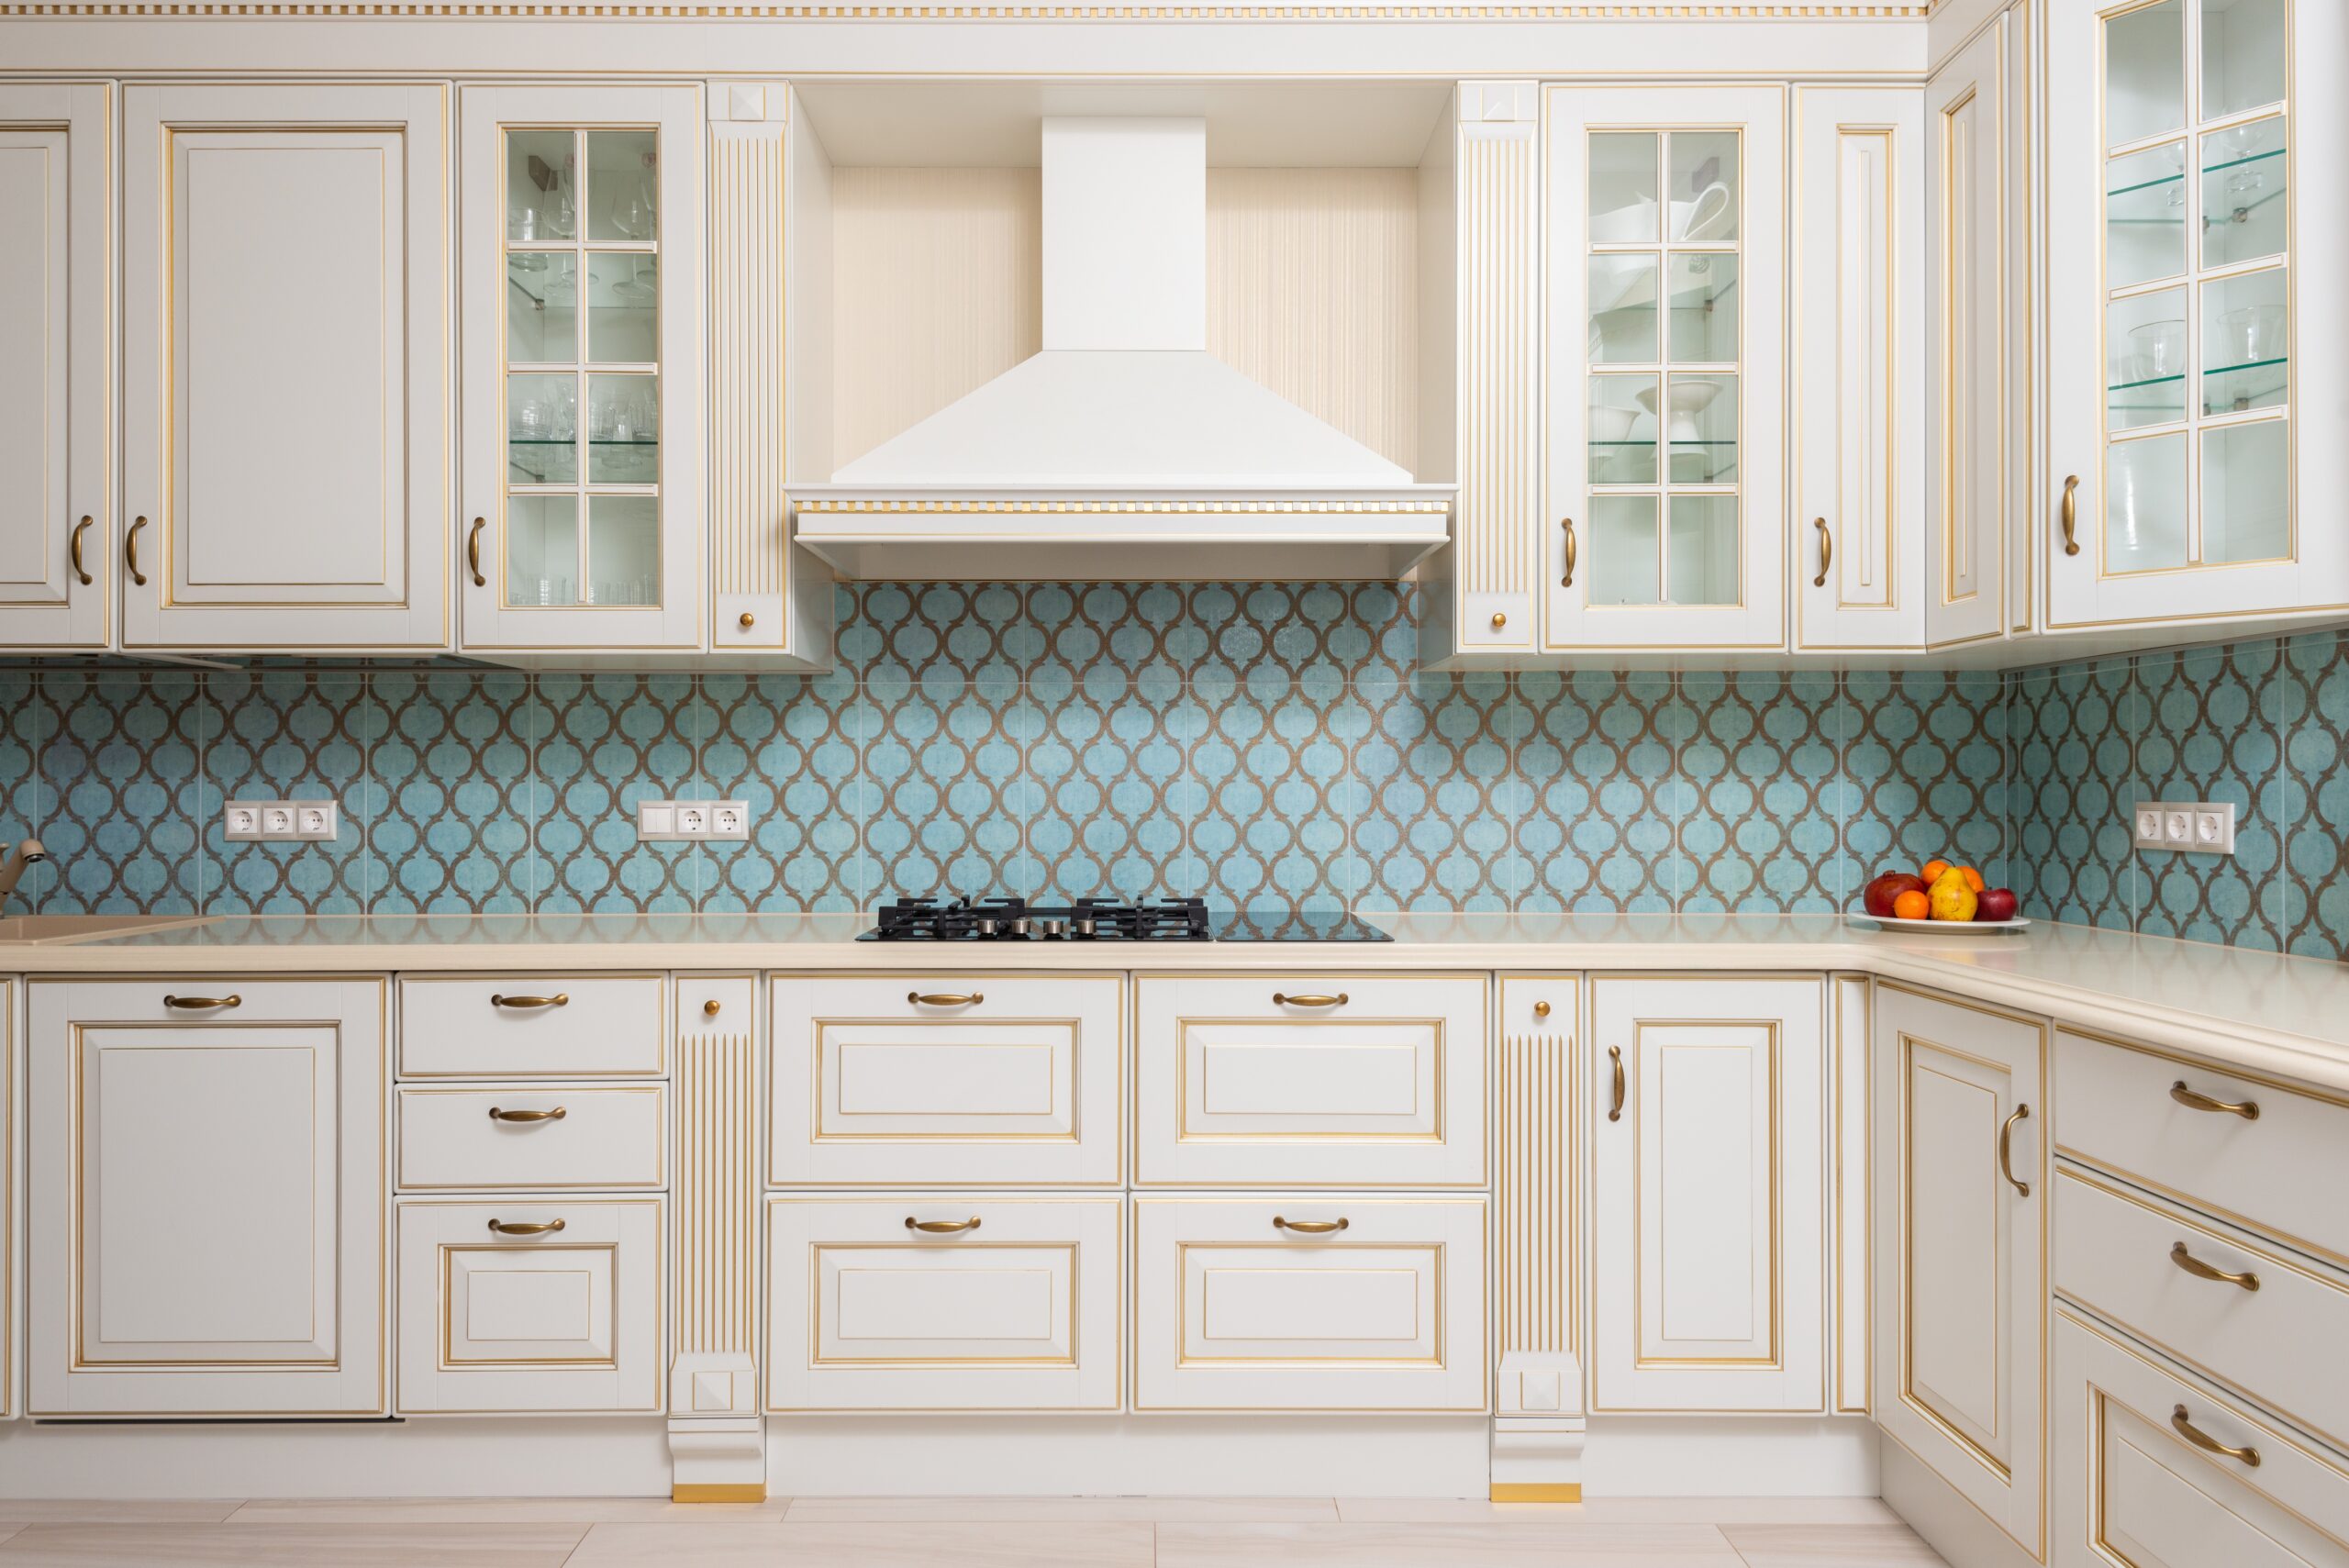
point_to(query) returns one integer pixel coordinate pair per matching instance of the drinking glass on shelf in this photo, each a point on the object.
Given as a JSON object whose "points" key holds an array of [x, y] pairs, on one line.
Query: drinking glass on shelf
{"points": [[2252, 333], [2161, 345]]}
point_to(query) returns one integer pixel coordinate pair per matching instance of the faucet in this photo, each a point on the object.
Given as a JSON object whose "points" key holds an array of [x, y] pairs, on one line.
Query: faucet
{"points": [[23, 856]]}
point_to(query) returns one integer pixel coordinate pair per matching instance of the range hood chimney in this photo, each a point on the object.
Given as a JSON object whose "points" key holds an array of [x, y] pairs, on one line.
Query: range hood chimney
{"points": [[1123, 448]]}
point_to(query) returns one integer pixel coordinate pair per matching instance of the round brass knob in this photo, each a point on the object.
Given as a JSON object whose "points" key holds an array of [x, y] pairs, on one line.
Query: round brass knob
{"points": [[1540, 1010], [1499, 620], [709, 1008], [748, 620]]}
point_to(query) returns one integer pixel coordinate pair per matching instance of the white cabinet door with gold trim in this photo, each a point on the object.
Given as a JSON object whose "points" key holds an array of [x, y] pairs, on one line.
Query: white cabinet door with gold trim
{"points": [[531, 1303], [1310, 1080], [1960, 1195], [1707, 1204], [927, 1077], [207, 1182], [286, 323], [11, 1139], [937, 1301], [1325, 1302], [56, 365]]}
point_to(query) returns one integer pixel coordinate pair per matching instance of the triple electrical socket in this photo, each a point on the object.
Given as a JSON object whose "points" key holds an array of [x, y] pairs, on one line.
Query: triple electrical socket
{"points": [[281, 821], [661, 821], [2198, 827]]}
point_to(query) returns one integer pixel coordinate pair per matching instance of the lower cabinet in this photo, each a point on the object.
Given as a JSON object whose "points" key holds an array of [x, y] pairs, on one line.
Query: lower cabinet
{"points": [[208, 1197], [532, 1305], [1321, 1303], [1708, 1150], [943, 1301], [1960, 1219], [8, 1144]]}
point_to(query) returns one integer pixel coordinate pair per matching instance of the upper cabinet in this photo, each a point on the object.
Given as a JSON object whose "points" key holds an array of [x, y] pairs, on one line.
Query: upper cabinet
{"points": [[285, 332], [2179, 403], [1666, 368]]}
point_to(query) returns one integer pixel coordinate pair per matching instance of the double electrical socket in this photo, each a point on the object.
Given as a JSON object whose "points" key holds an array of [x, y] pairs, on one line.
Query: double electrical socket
{"points": [[281, 821], [2198, 827], [668, 821]]}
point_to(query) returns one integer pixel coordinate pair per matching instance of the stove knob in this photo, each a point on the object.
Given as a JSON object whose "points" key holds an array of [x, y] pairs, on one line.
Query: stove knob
{"points": [[1084, 926], [1020, 925], [986, 927], [1053, 929]]}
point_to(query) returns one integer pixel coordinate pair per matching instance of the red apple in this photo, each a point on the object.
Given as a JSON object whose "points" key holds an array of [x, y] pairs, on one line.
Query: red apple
{"points": [[1878, 897], [1996, 904]]}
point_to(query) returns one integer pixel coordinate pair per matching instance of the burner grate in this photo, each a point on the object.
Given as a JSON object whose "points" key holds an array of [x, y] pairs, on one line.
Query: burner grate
{"points": [[1015, 919]]}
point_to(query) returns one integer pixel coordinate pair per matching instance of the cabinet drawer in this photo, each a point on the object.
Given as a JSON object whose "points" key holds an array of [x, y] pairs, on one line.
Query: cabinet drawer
{"points": [[529, 1026], [1310, 1080], [914, 1080], [1239, 1306], [2116, 1253], [565, 1319], [2122, 1106], [2152, 1497], [532, 1136], [1014, 1307]]}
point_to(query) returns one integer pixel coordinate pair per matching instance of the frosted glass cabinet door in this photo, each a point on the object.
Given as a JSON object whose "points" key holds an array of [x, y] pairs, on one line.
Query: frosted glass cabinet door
{"points": [[286, 344], [2189, 372], [56, 523], [581, 228]]}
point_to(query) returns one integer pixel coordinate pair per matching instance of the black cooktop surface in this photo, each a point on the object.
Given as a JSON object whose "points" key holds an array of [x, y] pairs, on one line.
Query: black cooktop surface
{"points": [[1109, 921]]}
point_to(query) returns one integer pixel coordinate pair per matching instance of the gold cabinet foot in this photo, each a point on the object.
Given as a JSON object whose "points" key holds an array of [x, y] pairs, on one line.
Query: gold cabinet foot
{"points": [[747, 1492], [1537, 1492]]}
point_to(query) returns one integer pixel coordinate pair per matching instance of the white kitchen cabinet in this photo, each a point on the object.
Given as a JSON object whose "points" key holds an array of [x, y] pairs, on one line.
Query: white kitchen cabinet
{"points": [[56, 416], [285, 410], [581, 236], [206, 1177], [1666, 367], [1707, 1210], [1961, 1199], [2188, 372], [11, 1141]]}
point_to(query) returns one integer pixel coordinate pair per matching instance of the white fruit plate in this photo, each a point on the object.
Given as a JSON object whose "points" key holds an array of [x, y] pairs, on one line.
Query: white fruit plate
{"points": [[1943, 927]]}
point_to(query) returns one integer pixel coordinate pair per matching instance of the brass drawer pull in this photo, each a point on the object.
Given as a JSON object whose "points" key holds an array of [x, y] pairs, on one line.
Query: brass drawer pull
{"points": [[1615, 1055], [709, 1008], [2207, 1443], [2007, 1149], [1826, 551], [556, 1115], [74, 550], [1568, 580], [560, 1000], [941, 1227], [131, 551], [472, 551], [1311, 1227], [944, 998], [204, 1004], [2200, 1270], [526, 1227], [2194, 1100], [1540, 1010], [1339, 1000], [2070, 513]]}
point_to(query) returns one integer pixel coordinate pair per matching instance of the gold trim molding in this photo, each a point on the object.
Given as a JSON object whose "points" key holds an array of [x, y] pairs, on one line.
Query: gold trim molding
{"points": [[831, 508], [888, 11]]}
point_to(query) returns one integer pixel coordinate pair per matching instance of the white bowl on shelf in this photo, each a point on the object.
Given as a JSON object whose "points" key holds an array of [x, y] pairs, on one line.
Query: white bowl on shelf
{"points": [[1688, 397]]}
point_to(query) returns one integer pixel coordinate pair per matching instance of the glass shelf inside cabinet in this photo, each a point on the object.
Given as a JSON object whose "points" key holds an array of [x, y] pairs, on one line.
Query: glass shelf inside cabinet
{"points": [[2246, 386]]}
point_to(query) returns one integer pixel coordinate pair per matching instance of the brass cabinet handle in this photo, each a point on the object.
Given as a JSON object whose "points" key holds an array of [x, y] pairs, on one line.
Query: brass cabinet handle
{"points": [[709, 1008], [2194, 1100], [1540, 1010], [941, 1227], [2007, 1149], [2070, 512], [1826, 551], [204, 1004], [560, 1000], [2207, 1443], [131, 551], [1499, 620], [1340, 1000], [556, 1115], [2200, 1270], [1310, 1227], [747, 620], [945, 998], [526, 1227], [1568, 580], [1615, 1055], [74, 551], [472, 551]]}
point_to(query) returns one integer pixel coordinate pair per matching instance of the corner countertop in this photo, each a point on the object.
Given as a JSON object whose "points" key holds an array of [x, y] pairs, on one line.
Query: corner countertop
{"points": [[2262, 1011]]}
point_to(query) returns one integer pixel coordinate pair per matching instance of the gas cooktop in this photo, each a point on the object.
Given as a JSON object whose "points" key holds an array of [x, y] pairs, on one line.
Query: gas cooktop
{"points": [[1109, 921]]}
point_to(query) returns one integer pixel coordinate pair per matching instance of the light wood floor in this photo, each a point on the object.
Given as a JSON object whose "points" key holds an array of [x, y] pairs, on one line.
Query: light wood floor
{"points": [[984, 1533]]}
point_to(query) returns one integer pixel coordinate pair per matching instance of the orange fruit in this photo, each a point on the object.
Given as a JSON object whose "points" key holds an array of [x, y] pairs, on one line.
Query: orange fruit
{"points": [[1972, 878], [1911, 906], [1932, 871]]}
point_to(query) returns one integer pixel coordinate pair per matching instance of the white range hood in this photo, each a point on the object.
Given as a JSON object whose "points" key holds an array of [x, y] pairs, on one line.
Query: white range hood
{"points": [[1124, 449]]}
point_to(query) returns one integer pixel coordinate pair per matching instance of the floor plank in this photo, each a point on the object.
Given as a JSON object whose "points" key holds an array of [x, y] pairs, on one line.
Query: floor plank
{"points": [[1042, 1544], [290, 1546], [117, 1511], [1492, 1544], [981, 1510], [1622, 1511], [500, 1510], [1830, 1546]]}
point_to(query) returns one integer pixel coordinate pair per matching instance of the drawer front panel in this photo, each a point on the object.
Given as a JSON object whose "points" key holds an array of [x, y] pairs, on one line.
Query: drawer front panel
{"points": [[2280, 1171], [561, 1319], [1238, 1306], [2153, 1497], [528, 1026], [868, 1311], [543, 1136], [914, 1080], [1310, 1080], [2118, 1253]]}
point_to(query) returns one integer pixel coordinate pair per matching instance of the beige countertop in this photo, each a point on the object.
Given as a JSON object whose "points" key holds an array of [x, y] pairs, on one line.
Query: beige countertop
{"points": [[2263, 1011]]}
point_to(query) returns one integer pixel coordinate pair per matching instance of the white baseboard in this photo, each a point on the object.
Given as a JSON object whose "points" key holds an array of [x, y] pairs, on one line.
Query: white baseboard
{"points": [[1729, 1456], [1950, 1525]]}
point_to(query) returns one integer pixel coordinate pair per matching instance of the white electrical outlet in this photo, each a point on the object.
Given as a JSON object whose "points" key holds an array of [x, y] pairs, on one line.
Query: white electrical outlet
{"points": [[669, 821], [281, 821], [2192, 827]]}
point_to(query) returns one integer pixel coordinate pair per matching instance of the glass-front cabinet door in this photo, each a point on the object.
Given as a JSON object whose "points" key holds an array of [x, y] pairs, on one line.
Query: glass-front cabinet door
{"points": [[2185, 362], [1666, 367], [582, 300]]}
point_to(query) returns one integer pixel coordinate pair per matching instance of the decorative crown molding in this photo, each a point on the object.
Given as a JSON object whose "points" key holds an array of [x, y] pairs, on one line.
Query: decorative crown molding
{"points": [[894, 11]]}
